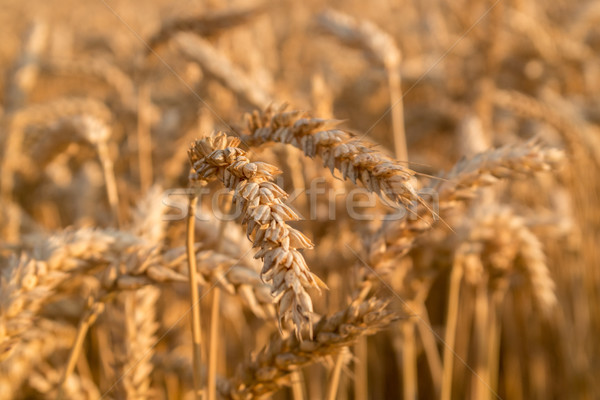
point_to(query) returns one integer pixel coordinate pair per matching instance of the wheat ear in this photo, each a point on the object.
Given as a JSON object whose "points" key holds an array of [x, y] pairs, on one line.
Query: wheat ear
{"points": [[270, 369], [396, 238], [354, 158], [265, 216]]}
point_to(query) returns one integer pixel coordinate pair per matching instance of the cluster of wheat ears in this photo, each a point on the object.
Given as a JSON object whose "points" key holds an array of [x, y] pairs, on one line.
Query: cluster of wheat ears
{"points": [[183, 217]]}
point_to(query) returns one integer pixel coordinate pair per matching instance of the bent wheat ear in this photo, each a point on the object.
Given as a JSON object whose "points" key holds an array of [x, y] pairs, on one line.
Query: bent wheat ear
{"points": [[485, 169], [353, 157], [270, 369], [265, 216], [396, 238]]}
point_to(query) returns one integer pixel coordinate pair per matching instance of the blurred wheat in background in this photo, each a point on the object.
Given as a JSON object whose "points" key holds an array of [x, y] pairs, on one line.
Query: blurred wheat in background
{"points": [[300, 200]]}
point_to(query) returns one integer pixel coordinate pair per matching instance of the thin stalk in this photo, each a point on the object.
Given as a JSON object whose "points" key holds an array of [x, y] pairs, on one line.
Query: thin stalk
{"points": [[95, 309], [144, 139], [297, 385], [213, 348], [431, 350], [450, 336], [334, 384], [480, 379], [494, 332], [195, 298], [397, 110], [409, 361], [109, 178], [361, 379]]}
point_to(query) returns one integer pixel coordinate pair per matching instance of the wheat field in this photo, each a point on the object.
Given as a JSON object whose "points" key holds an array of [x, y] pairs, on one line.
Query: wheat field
{"points": [[300, 200]]}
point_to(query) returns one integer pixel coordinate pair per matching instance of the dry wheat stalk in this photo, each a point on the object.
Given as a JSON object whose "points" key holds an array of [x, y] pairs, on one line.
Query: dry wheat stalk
{"points": [[270, 369], [265, 216], [206, 25], [497, 245], [353, 157], [148, 217]]}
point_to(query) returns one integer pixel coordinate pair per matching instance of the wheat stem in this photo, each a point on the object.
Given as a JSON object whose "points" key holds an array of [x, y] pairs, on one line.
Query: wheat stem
{"points": [[450, 337], [480, 378], [144, 139], [214, 320], [213, 348], [335, 376], [494, 331], [409, 361], [111, 181], [431, 352], [195, 298], [95, 309], [297, 385], [361, 376], [397, 111]]}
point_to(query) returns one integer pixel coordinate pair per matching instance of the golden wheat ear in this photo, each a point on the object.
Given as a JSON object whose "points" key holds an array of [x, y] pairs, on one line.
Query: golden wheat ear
{"points": [[265, 216]]}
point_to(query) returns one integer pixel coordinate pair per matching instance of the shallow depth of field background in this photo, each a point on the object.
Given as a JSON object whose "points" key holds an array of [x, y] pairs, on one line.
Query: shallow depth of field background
{"points": [[475, 76]]}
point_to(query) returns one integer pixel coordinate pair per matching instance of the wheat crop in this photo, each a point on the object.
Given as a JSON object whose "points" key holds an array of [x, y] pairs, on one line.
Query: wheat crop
{"points": [[299, 200]]}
